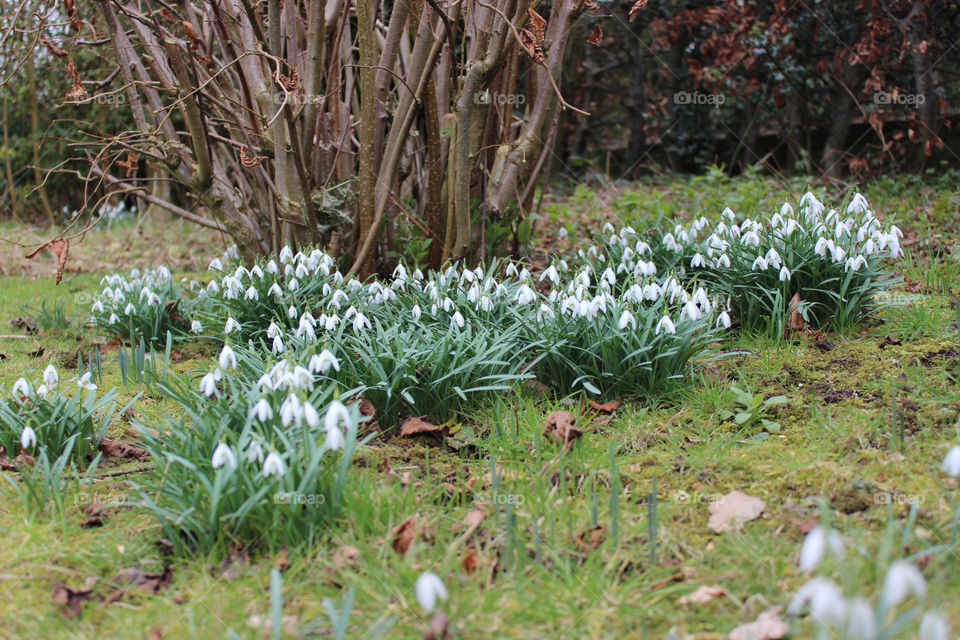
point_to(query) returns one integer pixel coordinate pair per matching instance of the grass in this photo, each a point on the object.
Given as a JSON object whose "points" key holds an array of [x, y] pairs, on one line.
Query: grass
{"points": [[522, 572]]}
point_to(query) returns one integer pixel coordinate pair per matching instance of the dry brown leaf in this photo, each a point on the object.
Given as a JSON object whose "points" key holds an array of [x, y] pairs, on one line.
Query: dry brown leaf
{"points": [[115, 449], [403, 535], [414, 426], [531, 45], [538, 24], [795, 322], [345, 555], [604, 407], [596, 36], [590, 539], [767, 626], [732, 510], [5, 464], [703, 595], [560, 426], [635, 9], [95, 513], [61, 248], [889, 341], [280, 561], [470, 561], [70, 600]]}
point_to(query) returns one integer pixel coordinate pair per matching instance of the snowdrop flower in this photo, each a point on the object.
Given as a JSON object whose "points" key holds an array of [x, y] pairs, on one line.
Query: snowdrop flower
{"points": [[821, 247], [825, 599], [323, 362], [275, 290], [550, 274], [773, 258], [277, 345], [42, 391], [272, 267], [84, 382], [359, 322], [545, 311], [815, 545], [861, 621], [511, 270], [337, 413], [28, 438], [691, 310], [97, 307], [697, 261], [256, 271], [292, 312], [626, 318], [114, 318], [525, 295], [951, 463], [416, 312], [231, 326], [286, 254], [838, 252], [934, 626], [857, 205], [334, 440], [223, 455], [273, 330], [215, 265], [751, 239], [901, 580], [228, 359], [291, 411], [273, 465], [196, 327], [50, 375], [724, 319], [255, 452], [784, 274], [262, 410], [429, 588], [208, 385], [310, 415], [251, 294], [652, 292], [457, 319], [759, 263], [665, 324], [130, 309]]}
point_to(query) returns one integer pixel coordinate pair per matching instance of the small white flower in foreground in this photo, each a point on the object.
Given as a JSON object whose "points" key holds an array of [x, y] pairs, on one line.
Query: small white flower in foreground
{"points": [[934, 626], [223, 455], [861, 620], [28, 438], [334, 440], [415, 313], [50, 375], [457, 319], [337, 413], [951, 463], [826, 601], [277, 345], [429, 589], [215, 265], [359, 322], [901, 580], [525, 295], [273, 465], [310, 415], [784, 274], [665, 324], [228, 359], [323, 362], [255, 452], [724, 319], [815, 546], [208, 384], [697, 261], [42, 391], [231, 326], [130, 309], [626, 318], [84, 382], [196, 327], [550, 274], [262, 410]]}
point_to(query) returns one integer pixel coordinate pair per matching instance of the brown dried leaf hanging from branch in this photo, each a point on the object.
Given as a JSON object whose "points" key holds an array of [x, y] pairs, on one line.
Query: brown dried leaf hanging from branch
{"points": [[290, 82], [531, 46], [129, 165], [596, 36], [195, 42], [635, 9], [77, 92], [538, 24], [72, 15], [54, 50], [166, 15], [249, 161], [60, 248]]}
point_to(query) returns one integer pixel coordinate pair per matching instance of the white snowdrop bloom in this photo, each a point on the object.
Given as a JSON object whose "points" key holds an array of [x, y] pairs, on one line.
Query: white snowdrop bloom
{"points": [[416, 312], [626, 318], [895, 231], [825, 599], [334, 440], [130, 309], [301, 271], [273, 465], [894, 244], [550, 274], [262, 410], [691, 311], [815, 546], [457, 320], [337, 414], [786, 210], [215, 265], [196, 327], [306, 329], [760, 263], [42, 391], [773, 258], [208, 385], [670, 242], [728, 214], [228, 359], [869, 247], [271, 267], [97, 307], [213, 288], [822, 246], [609, 276], [855, 263], [274, 330], [750, 239], [310, 416], [277, 345], [223, 456], [430, 588], [292, 312], [724, 320], [902, 579], [697, 261], [301, 378], [251, 294], [288, 271], [951, 462], [254, 451], [652, 291], [293, 285], [399, 272], [776, 220], [790, 226], [511, 270], [485, 303], [474, 293], [231, 326], [323, 362], [256, 271], [861, 619], [241, 273], [525, 295], [934, 626], [331, 322], [837, 252], [665, 324], [360, 322], [84, 382], [114, 318], [784, 274], [28, 437], [545, 311], [858, 205], [608, 229], [291, 411], [286, 254], [50, 375]]}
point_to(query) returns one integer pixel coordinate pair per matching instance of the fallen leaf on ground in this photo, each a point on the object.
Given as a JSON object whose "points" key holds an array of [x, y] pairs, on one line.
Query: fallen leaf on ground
{"points": [[889, 341], [95, 513], [5, 464], [116, 449], [732, 510], [70, 600], [25, 460], [439, 625], [403, 535], [38, 352], [560, 426], [414, 426], [27, 323], [231, 567], [767, 626], [470, 561], [604, 407], [795, 322], [145, 582], [703, 595], [591, 538], [280, 561], [345, 555]]}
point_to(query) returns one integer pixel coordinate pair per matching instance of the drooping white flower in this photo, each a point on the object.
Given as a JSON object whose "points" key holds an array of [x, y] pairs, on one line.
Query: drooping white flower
{"points": [[273, 465], [815, 545], [750, 239], [415, 312], [724, 319], [255, 451], [825, 599], [84, 382], [760, 263], [861, 620], [323, 362], [457, 319], [934, 626], [196, 327], [130, 309], [902, 579], [50, 375], [550, 274], [697, 261], [208, 384], [28, 437], [784, 274], [215, 265], [359, 322], [337, 414], [223, 455], [228, 359], [334, 440], [857, 205], [262, 410], [291, 411], [286, 254], [292, 312], [626, 318], [42, 391], [231, 325], [691, 311], [277, 345], [665, 324], [951, 462], [430, 588], [525, 295]]}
